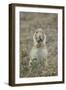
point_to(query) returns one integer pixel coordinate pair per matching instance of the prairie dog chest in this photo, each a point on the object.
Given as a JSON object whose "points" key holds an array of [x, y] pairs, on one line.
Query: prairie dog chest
{"points": [[39, 53]]}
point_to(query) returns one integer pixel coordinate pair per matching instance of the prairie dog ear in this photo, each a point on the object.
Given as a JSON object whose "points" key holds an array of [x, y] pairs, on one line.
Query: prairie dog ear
{"points": [[44, 41], [35, 43]]}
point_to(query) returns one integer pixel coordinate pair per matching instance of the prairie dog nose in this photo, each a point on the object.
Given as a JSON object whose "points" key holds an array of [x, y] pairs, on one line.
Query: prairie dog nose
{"points": [[39, 36]]}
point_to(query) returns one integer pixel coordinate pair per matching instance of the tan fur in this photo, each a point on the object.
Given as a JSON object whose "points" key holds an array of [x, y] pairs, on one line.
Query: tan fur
{"points": [[39, 47]]}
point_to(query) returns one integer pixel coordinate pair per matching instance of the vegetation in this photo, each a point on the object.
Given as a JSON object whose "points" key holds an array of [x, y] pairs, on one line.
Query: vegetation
{"points": [[29, 22]]}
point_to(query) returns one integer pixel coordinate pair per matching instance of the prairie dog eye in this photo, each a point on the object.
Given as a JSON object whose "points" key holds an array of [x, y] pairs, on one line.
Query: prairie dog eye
{"points": [[36, 32]]}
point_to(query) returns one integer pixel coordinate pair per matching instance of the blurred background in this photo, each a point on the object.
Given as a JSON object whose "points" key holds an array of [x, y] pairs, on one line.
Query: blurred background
{"points": [[29, 22]]}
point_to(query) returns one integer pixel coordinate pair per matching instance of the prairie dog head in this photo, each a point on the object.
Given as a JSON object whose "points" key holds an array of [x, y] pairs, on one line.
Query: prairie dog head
{"points": [[39, 37]]}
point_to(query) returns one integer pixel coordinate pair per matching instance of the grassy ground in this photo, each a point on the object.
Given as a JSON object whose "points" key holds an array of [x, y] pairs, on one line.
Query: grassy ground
{"points": [[29, 22]]}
